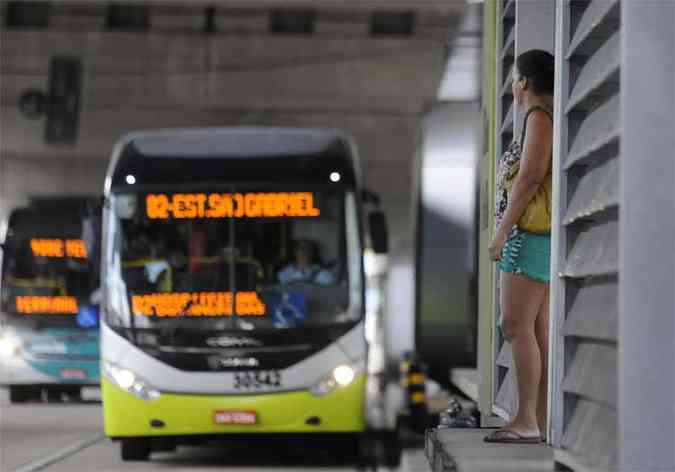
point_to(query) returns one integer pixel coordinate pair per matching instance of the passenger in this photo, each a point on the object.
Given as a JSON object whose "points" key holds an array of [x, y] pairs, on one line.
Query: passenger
{"points": [[158, 269], [46, 276], [197, 248], [522, 245], [146, 252], [303, 269]]}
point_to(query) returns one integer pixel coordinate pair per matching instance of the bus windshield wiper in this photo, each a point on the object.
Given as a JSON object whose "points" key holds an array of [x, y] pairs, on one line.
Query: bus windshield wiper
{"points": [[172, 329]]}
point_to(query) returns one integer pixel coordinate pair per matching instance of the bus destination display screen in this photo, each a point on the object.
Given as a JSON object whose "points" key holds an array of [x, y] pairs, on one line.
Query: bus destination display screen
{"points": [[197, 304], [231, 205], [51, 247]]}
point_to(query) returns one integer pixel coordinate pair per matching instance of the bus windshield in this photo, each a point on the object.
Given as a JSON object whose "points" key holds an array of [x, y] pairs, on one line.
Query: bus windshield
{"points": [[234, 260], [46, 277]]}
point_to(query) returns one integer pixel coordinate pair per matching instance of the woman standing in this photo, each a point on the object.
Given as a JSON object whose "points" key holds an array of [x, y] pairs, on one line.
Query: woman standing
{"points": [[522, 245]]}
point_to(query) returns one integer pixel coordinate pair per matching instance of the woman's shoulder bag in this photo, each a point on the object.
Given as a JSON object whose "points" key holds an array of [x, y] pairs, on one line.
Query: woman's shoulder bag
{"points": [[537, 215]]}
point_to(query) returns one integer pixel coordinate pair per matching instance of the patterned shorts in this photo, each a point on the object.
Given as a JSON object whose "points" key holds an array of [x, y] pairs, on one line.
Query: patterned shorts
{"points": [[527, 254]]}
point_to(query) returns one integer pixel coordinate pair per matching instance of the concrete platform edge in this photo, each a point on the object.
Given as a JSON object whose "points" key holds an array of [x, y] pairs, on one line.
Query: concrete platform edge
{"points": [[439, 459], [562, 457]]}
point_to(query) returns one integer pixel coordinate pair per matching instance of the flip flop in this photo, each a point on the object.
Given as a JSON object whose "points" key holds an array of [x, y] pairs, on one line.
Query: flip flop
{"points": [[506, 436]]}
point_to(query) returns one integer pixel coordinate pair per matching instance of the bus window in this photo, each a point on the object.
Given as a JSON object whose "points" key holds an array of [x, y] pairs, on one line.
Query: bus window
{"points": [[45, 278], [245, 257]]}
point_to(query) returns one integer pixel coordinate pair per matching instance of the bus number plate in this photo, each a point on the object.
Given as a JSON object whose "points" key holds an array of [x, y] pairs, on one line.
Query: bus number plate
{"points": [[235, 417], [257, 379], [78, 374]]}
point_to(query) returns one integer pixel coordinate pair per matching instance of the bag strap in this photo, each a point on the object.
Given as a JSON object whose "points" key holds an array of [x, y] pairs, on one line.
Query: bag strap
{"points": [[527, 115]]}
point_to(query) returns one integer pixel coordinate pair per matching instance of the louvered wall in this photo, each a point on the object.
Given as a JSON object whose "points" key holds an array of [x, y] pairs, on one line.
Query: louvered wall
{"points": [[505, 400], [587, 247]]}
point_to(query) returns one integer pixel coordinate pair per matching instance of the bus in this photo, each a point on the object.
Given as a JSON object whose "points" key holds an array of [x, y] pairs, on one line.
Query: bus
{"points": [[48, 300], [235, 299]]}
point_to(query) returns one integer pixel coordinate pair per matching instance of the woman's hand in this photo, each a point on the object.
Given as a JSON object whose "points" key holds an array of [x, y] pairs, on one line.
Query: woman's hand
{"points": [[497, 245]]}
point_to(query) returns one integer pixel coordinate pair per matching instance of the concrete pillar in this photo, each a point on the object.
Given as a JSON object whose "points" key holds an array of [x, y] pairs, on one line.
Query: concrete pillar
{"points": [[647, 243]]}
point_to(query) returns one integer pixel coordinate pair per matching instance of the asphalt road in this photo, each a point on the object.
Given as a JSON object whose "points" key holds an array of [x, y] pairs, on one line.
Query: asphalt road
{"points": [[65, 437]]}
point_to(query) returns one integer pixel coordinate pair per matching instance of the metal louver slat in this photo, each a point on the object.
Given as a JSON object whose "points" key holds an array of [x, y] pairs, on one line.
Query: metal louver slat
{"points": [[509, 43], [507, 126], [595, 252], [506, 88], [504, 359], [597, 191], [592, 373], [588, 201], [597, 71], [593, 16], [594, 311], [509, 9], [591, 435], [600, 128]]}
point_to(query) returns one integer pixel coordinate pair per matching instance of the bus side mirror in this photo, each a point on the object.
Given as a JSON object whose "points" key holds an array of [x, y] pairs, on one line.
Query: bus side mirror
{"points": [[368, 196], [379, 238]]}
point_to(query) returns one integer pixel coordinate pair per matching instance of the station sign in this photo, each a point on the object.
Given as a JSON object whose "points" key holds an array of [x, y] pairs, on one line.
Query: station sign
{"points": [[63, 107]]}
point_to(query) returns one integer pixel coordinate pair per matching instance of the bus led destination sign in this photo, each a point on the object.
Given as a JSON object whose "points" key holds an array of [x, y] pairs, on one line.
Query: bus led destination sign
{"points": [[28, 305], [203, 304], [74, 248], [231, 205]]}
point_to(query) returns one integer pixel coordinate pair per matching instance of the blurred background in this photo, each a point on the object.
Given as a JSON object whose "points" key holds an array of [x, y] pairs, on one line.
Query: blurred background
{"points": [[400, 76]]}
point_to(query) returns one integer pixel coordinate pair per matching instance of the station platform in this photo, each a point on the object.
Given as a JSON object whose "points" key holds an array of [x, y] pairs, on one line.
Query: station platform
{"points": [[463, 450]]}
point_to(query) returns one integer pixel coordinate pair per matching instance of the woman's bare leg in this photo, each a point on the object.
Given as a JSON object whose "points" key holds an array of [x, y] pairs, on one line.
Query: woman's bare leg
{"points": [[521, 302], [541, 330]]}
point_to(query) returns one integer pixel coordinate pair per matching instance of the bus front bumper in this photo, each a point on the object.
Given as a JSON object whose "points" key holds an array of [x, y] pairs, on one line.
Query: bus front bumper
{"points": [[178, 414], [19, 370]]}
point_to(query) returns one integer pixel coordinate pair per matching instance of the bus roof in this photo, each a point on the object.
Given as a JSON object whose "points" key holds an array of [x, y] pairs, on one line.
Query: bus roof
{"points": [[50, 217], [198, 154]]}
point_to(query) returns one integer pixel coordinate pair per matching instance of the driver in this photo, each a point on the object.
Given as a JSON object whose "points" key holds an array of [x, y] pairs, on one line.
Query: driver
{"points": [[303, 268]]}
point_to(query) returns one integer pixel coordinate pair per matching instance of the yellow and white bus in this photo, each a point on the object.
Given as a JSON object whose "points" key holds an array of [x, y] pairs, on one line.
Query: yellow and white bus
{"points": [[234, 290]]}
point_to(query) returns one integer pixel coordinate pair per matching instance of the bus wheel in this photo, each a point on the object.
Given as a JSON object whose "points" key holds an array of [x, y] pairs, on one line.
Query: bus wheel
{"points": [[382, 448], [366, 451], [392, 449], [135, 449], [19, 393], [74, 393], [53, 394]]}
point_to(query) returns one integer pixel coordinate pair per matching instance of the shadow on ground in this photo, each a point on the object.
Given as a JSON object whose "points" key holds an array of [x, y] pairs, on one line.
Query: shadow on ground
{"points": [[310, 453]]}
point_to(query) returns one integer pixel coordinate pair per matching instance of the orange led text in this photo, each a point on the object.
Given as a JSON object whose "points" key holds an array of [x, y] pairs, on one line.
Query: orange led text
{"points": [[51, 305], [58, 248], [203, 304], [231, 205]]}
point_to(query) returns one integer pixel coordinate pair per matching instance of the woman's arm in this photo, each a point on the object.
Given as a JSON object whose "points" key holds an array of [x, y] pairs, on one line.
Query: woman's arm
{"points": [[534, 166]]}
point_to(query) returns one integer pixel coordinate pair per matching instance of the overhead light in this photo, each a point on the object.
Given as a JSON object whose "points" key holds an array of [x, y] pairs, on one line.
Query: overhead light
{"points": [[131, 179], [335, 177]]}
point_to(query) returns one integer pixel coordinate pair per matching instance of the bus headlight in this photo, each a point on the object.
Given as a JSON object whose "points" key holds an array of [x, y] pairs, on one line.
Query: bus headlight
{"points": [[344, 375], [9, 347], [341, 376], [129, 381]]}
